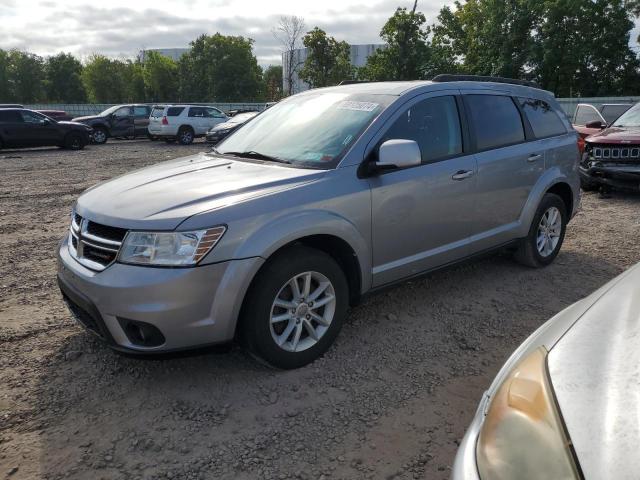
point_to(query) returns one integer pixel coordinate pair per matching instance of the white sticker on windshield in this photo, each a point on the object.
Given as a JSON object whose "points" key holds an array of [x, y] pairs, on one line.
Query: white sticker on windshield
{"points": [[358, 106]]}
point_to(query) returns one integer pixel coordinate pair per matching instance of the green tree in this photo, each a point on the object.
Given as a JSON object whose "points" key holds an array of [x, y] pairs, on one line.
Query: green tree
{"points": [[160, 77], [104, 80], [272, 78], [406, 51], [134, 81], [328, 60], [6, 95], [26, 77], [63, 82], [220, 68]]}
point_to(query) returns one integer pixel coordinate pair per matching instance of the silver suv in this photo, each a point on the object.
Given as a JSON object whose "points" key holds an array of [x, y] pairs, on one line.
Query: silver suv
{"points": [[326, 196]]}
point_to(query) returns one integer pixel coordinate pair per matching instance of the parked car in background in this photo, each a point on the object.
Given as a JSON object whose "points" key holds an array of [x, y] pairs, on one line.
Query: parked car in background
{"points": [[59, 115], [611, 157], [564, 406], [224, 129], [183, 123], [327, 195], [119, 121], [589, 120], [20, 127]]}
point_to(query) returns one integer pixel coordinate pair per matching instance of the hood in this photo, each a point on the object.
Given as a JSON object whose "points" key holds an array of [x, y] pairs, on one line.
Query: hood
{"points": [[224, 126], [595, 372], [164, 195], [86, 118], [616, 135]]}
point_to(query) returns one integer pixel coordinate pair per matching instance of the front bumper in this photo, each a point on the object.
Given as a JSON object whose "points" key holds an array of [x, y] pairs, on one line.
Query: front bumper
{"points": [[191, 307], [465, 466], [624, 177]]}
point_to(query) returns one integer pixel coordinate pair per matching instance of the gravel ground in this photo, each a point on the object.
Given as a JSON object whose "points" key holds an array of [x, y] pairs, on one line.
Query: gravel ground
{"points": [[391, 399]]}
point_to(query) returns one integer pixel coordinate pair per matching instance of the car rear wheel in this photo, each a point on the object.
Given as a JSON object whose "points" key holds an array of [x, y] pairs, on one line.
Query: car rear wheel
{"points": [[74, 141], [546, 233], [185, 136], [99, 135], [295, 307]]}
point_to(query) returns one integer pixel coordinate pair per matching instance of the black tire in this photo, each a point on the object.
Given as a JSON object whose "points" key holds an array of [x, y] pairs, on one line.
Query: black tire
{"points": [[170, 140], [74, 141], [256, 328], [528, 253], [185, 136], [588, 186], [100, 135]]}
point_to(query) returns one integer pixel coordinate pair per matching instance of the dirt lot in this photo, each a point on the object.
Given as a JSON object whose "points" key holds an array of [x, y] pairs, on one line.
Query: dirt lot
{"points": [[390, 400]]}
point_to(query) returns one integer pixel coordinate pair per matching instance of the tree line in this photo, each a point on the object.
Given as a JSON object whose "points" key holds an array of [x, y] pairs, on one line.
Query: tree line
{"points": [[218, 68], [571, 47]]}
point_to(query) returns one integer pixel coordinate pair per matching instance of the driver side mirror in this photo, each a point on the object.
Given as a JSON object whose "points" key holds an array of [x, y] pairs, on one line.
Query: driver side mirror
{"points": [[398, 154], [596, 124]]}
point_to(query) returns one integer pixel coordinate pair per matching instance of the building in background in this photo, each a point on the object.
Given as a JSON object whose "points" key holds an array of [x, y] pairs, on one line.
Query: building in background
{"points": [[174, 53], [359, 55]]}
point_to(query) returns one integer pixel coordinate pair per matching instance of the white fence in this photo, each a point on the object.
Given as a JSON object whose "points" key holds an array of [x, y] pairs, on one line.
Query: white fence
{"points": [[79, 110]]}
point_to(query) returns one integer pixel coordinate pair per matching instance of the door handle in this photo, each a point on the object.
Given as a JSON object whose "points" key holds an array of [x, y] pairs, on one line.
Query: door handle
{"points": [[462, 174], [534, 156]]}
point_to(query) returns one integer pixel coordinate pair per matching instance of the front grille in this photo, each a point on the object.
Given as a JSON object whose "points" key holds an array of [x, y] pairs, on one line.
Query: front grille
{"points": [[94, 245], [615, 153]]}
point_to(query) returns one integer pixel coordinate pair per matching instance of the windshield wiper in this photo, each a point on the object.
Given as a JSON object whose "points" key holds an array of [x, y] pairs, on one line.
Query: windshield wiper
{"points": [[256, 155]]}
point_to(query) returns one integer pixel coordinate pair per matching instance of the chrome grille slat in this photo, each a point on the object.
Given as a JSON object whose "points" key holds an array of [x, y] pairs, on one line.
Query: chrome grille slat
{"points": [[619, 154], [91, 250]]}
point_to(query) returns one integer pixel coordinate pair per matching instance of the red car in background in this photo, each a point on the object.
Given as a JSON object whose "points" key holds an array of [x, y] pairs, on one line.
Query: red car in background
{"points": [[611, 157], [589, 120]]}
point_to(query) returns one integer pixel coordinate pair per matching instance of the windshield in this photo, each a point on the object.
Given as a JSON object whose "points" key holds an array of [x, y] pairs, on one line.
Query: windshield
{"points": [[312, 129], [629, 119], [109, 110]]}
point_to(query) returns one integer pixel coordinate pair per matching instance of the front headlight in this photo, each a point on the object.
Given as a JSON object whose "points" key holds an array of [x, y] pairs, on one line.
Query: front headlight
{"points": [[523, 436], [169, 248]]}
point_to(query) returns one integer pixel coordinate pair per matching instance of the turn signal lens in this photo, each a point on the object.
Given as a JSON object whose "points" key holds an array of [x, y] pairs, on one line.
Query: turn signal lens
{"points": [[523, 437]]}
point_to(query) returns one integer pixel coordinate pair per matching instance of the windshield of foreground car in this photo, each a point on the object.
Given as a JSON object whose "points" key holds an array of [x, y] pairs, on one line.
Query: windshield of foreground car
{"points": [[629, 119], [313, 129]]}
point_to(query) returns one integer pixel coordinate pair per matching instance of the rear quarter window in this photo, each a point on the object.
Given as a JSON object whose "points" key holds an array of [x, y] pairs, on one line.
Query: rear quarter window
{"points": [[496, 121], [157, 112], [544, 121], [174, 111]]}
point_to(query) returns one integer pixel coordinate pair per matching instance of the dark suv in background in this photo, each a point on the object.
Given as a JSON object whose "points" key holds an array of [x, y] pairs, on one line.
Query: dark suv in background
{"points": [[128, 121], [20, 127]]}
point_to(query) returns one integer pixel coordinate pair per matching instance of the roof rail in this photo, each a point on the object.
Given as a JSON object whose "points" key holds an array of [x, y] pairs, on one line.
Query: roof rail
{"points": [[480, 78]]}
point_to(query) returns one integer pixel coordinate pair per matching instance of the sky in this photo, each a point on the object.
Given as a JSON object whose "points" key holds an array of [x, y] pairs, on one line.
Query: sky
{"points": [[121, 28]]}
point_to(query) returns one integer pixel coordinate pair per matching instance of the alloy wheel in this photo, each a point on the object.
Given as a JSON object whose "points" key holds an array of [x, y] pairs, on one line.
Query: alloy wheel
{"points": [[302, 311], [549, 231], [99, 136]]}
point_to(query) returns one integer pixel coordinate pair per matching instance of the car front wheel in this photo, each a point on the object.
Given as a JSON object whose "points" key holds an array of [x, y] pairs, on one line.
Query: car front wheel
{"points": [[546, 233], [185, 136], [74, 141], [99, 135], [295, 307]]}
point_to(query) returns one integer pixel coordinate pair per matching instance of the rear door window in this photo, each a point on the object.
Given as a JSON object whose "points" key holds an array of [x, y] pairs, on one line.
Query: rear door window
{"points": [[197, 112], [586, 114], [496, 121], [141, 111], [174, 111], [32, 117], [10, 116], [434, 124], [544, 121]]}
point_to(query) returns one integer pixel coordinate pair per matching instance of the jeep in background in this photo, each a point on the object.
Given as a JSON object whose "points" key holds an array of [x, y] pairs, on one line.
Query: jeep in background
{"points": [[611, 157], [119, 121], [326, 196], [589, 120]]}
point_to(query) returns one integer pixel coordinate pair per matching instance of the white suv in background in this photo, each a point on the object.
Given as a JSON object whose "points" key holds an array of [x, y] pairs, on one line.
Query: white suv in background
{"points": [[183, 122]]}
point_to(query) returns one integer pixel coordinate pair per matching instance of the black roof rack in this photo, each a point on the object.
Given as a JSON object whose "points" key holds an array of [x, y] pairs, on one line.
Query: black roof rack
{"points": [[480, 78]]}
